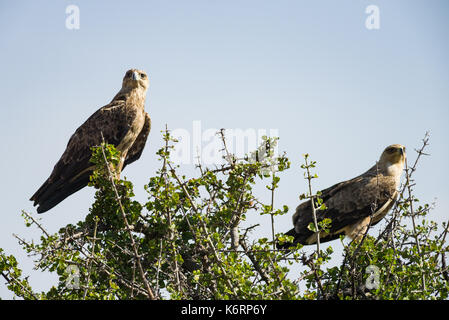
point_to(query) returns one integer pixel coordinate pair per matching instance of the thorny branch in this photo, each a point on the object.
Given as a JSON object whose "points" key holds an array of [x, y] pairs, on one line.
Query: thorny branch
{"points": [[212, 252], [133, 244]]}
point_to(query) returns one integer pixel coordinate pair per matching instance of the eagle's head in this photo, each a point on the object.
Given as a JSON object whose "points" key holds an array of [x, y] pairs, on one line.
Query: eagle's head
{"points": [[392, 160], [135, 78]]}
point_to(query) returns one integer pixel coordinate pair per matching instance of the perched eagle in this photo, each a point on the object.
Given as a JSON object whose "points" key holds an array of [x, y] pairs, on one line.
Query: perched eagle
{"points": [[354, 204], [123, 123]]}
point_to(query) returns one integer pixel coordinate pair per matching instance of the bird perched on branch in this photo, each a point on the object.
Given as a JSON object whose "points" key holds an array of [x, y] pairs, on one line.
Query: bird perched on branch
{"points": [[352, 205], [123, 122]]}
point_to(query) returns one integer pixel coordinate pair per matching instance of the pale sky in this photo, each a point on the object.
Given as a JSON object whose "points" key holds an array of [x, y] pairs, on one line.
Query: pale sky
{"points": [[310, 70]]}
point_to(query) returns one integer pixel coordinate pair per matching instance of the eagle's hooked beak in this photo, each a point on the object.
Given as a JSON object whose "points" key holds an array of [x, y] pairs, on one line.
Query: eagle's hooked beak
{"points": [[135, 76]]}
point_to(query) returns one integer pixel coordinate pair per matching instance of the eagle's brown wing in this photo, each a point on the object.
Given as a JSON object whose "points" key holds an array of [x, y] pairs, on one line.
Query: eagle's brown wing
{"points": [[136, 149], [347, 203], [71, 173]]}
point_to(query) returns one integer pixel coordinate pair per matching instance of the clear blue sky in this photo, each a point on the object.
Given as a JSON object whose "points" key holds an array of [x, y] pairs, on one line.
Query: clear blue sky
{"points": [[310, 69]]}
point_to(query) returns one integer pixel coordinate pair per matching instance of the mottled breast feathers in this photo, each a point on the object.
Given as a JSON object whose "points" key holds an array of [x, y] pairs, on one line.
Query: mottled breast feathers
{"points": [[123, 123]]}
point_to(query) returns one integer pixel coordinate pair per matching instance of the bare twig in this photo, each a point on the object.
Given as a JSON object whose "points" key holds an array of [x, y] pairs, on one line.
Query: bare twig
{"points": [[13, 279], [415, 234], [315, 221], [36, 223], [272, 213]]}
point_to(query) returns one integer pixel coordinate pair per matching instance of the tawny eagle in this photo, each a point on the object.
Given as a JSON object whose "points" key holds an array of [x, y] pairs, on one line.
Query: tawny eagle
{"points": [[355, 204], [123, 122]]}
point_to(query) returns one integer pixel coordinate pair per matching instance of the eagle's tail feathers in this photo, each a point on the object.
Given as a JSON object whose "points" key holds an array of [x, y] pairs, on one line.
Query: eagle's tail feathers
{"points": [[55, 193]]}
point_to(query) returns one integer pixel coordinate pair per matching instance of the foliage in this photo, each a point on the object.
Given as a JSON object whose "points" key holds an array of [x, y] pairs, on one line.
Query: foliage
{"points": [[186, 241]]}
